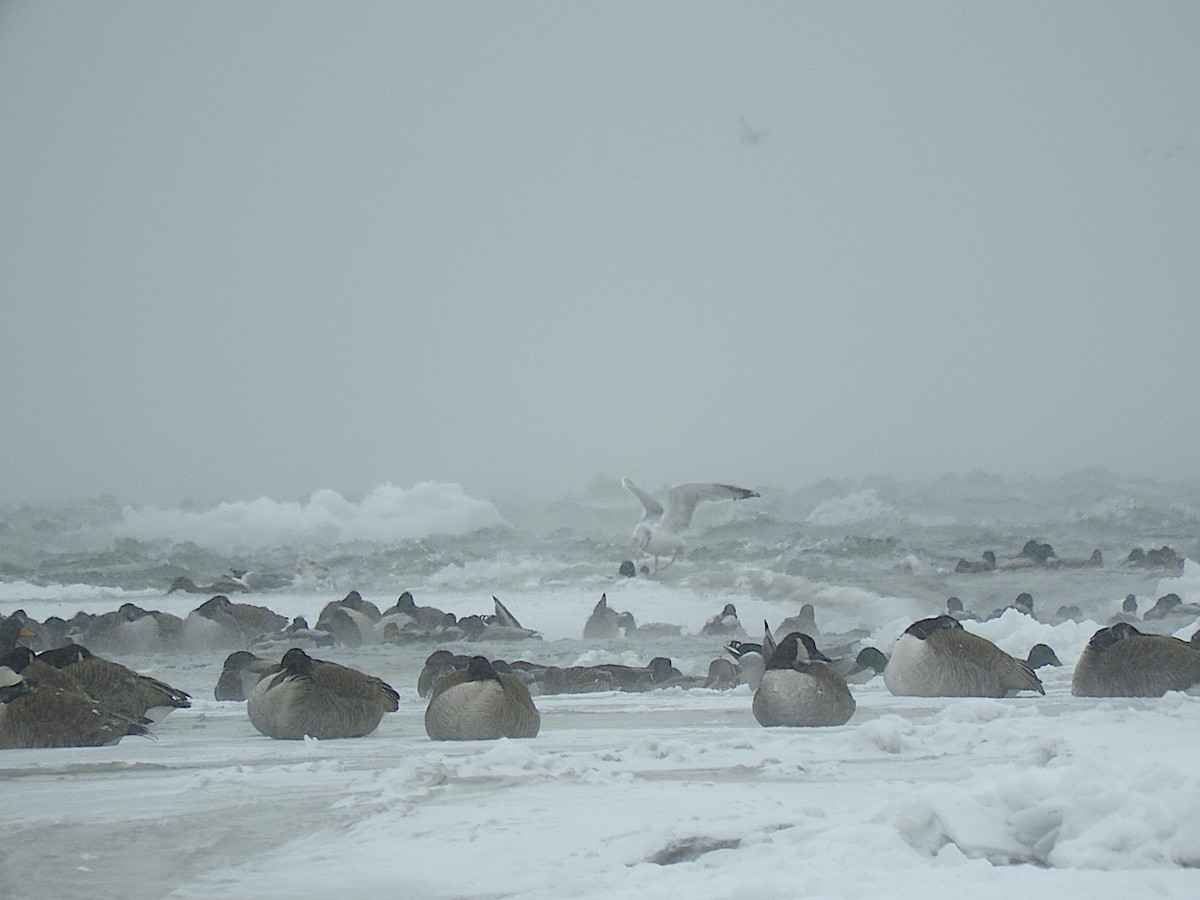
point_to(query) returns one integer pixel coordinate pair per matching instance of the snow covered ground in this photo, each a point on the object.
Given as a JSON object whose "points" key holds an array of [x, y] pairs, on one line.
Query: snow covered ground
{"points": [[664, 794]]}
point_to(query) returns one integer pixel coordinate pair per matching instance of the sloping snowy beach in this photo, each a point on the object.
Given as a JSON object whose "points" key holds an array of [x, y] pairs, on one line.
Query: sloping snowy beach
{"points": [[660, 794], [668, 793]]}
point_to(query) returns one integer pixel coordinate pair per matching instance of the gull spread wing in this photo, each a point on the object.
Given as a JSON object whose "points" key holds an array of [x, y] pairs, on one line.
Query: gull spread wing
{"points": [[504, 617], [683, 499], [768, 644], [653, 509]]}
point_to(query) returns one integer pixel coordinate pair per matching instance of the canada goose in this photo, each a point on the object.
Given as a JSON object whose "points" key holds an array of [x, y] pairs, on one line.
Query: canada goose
{"points": [[241, 672], [502, 625], [724, 623], [605, 623], [1120, 661], [130, 629], [869, 662], [804, 623], [722, 675], [574, 680], [427, 619], [1042, 655], [314, 698], [1067, 613], [1129, 610], [438, 663], [659, 533], [1038, 551], [219, 622], [954, 608], [349, 627], [353, 601], [937, 658], [60, 713], [115, 685], [1171, 606], [973, 566], [1022, 604], [658, 673], [798, 690], [479, 704], [1155, 558], [12, 629], [295, 634]]}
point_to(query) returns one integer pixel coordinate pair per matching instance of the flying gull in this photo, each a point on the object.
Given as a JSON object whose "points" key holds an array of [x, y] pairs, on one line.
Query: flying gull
{"points": [[658, 533]]}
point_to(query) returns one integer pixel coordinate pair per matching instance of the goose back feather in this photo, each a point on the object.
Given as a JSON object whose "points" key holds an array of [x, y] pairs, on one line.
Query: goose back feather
{"points": [[1121, 661], [937, 657], [480, 704], [315, 698]]}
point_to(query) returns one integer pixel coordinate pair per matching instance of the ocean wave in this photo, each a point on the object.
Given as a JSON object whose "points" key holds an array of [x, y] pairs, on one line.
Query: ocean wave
{"points": [[855, 509], [388, 514]]}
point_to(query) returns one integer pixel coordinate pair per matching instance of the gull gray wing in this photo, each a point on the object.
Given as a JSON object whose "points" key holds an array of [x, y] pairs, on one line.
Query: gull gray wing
{"points": [[653, 509], [504, 617], [683, 499]]}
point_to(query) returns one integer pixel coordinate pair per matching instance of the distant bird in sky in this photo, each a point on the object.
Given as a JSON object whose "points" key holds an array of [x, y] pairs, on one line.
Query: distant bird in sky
{"points": [[750, 135], [658, 533]]}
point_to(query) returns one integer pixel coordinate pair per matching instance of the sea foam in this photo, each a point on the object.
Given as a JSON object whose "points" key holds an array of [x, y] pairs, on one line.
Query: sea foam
{"points": [[385, 515]]}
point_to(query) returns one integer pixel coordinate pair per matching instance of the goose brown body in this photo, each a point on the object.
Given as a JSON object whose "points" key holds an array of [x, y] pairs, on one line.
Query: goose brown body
{"points": [[315, 698], [60, 713], [1121, 661], [240, 674], [799, 691], [937, 657], [480, 704], [115, 685]]}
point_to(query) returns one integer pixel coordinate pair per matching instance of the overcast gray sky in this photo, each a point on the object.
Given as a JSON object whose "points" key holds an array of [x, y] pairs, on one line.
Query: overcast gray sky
{"points": [[260, 248]]}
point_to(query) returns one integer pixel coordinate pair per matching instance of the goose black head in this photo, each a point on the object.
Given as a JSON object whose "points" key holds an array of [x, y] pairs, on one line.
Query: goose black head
{"points": [[214, 605], [64, 656], [925, 627], [479, 669], [297, 662], [1106, 637], [806, 647], [797, 647], [953, 605], [1042, 655], [871, 658], [1129, 604], [238, 659], [17, 658], [788, 652], [1168, 602], [131, 612], [661, 669]]}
